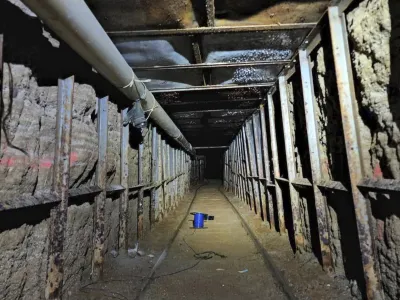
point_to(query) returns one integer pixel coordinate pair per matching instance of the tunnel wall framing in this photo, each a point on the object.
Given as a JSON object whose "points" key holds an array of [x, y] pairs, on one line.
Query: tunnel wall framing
{"points": [[318, 160], [76, 183]]}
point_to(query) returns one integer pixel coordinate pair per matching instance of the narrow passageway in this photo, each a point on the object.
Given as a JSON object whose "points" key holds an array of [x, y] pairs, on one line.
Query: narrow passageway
{"points": [[240, 275]]}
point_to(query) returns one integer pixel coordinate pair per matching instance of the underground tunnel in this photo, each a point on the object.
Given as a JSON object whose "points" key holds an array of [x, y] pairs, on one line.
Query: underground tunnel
{"points": [[212, 149]]}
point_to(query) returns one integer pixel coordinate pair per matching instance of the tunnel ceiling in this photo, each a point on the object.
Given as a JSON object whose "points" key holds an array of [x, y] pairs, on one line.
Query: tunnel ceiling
{"points": [[209, 63]]}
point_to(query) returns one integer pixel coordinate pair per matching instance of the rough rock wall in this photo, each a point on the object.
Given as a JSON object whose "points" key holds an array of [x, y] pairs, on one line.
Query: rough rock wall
{"points": [[374, 31], [28, 134], [22, 267], [343, 230], [78, 248]]}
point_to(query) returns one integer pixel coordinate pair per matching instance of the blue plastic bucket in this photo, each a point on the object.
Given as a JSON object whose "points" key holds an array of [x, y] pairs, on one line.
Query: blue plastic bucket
{"points": [[198, 221]]}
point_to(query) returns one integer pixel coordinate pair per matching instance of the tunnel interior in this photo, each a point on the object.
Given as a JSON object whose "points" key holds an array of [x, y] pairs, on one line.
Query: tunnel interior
{"points": [[277, 119]]}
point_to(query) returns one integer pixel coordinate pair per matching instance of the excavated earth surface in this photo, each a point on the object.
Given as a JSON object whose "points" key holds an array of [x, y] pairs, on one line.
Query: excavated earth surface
{"points": [[241, 275]]}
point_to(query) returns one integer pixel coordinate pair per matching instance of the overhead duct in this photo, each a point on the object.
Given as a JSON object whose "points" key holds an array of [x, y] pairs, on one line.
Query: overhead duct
{"points": [[74, 22]]}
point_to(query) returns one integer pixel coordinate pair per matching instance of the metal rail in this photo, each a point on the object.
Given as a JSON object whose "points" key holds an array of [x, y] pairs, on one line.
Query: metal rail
{"points": [[211, 30]]}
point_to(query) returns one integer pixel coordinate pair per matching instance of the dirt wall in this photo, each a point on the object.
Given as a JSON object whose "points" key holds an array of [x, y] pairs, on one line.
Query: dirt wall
{"points": [[374, 32]]}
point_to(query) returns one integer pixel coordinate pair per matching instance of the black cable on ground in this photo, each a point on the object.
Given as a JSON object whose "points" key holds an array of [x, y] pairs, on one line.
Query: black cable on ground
{"points": [[164, 254], [268, 261]]}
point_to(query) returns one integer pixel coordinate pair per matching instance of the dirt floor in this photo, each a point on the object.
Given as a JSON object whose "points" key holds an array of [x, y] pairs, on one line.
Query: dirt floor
{"points": [[235, 269]]}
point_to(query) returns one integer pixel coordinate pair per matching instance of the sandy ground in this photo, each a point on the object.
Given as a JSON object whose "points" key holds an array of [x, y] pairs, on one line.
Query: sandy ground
{"points": [[240, 274]]}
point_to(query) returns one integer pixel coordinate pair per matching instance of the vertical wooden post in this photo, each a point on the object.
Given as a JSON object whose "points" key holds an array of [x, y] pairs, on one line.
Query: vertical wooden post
{"points": [[123, 209], [267, 170], [348, 109], [140, 225], [275, 160], [58, 215], [259, 164], [312, 135]]}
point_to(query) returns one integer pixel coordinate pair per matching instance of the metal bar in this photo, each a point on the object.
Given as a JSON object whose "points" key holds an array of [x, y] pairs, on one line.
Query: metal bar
{"points": [[304, 182], [275, 161], [380, 185], [168, 175], [123, 208], [210, 147], [214, 88], [164, 176], [58, 215], [140, 225], [290, 160], [212, 30], [80, 29], [154, 175], [332, 185], [216, 65], [100, 200], [210, 10], [259, 164], [267, 170], [253, 166], [247, 165], [348, 104], [321, 205]]}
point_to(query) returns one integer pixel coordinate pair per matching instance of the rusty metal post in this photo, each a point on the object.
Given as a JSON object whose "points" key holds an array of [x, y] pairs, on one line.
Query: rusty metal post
{"points": [[348, 108], [140, 225], [249, 184], [275, 162], [1, 65], [123, 208], [267, 170], [291, 167], [253, 166], [315, 159], [242, 168], [58, 215], [168, 172], [164, 177], [100, 200], [234, 171], [154, 176], [259, 164]]}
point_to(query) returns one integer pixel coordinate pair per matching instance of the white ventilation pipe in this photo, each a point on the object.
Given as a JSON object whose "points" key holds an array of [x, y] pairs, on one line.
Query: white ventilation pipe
{"points": [[73, 22]]}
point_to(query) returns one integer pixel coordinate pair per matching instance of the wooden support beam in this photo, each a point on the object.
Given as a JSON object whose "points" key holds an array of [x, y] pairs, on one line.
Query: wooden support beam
{"points": [[321, 205], [123, 205], [100, 200], [348, 109], [58, 215]]}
